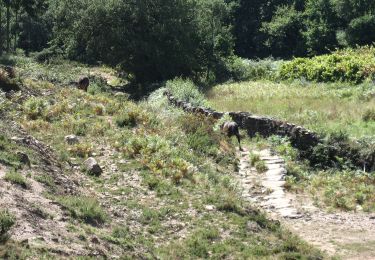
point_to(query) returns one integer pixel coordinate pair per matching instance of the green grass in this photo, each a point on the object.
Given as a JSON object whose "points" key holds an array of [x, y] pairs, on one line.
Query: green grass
{"points": [[345, 190], [84, 208], [7, 220], [16, 178], [319, 107]]}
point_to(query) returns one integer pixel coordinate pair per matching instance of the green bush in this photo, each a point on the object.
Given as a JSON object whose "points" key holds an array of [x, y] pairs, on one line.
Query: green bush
{"points": [[35, 108], [126, 119], [6, 222], [84, 208], [261, 166], [187, 91], [97, 86], [242, 70], [349, 65]]}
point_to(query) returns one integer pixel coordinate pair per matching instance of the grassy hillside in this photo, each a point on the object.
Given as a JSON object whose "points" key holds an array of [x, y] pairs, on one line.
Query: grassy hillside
{"points": [[165, 191]]}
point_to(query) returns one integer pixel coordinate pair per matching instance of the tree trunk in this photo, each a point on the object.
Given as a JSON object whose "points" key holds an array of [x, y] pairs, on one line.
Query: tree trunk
{"points": [[1, 30], [8, 27], [16, 31]]}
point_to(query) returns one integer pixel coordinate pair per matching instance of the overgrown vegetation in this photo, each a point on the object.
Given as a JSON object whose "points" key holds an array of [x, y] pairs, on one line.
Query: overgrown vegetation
{"points": [[84, 208], [6, 222], [333, 188], [16, 178], [349, 65]]}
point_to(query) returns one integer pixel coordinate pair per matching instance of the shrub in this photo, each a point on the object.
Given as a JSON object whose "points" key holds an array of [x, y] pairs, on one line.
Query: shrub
{"points": [[6, 222], [35, 108], [254, 158], [187, 91], [132, 116], [369, 115], [261, 166], [6, 83], [349, 65], [97, 86], [126, 119], [80, 127], [84, 208], [46, 54], [243, 70], [201, 136], [16, 178], [82, 150]]}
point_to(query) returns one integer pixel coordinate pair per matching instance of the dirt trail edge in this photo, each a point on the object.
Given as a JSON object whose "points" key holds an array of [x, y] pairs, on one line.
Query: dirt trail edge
{"points": [[347, 235]]}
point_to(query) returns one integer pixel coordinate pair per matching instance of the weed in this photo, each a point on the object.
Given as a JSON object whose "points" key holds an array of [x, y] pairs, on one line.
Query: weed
{"points": [[369, 115], [84, 208], [7, 220], [82, 150], [16, 178], [186, 90], [261, 166], [199, 243], [254, 158], [35, 108], [47, 180], [126, 119], [7, 153]]}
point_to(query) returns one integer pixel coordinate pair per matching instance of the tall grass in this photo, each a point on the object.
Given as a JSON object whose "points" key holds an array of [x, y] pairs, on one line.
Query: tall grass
{"points": [[320, 107]]}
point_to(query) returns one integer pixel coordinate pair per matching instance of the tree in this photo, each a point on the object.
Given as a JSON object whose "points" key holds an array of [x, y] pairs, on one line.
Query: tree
{"points": [[7, 5], [284, 32], [361, 30], [155, 40], [321, 26], [1, 28]]}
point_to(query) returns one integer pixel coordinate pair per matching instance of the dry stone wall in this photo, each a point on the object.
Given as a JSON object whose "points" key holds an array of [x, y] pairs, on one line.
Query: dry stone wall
{"points": [[300, 137]]}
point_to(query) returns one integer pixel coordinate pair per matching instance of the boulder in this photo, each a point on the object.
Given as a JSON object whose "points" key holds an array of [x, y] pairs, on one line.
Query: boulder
{"points": [[92, 167]]}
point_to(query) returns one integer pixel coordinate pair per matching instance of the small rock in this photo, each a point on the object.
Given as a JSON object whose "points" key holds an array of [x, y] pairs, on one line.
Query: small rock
{"points": [[210, 207], [71, 139], [92, 167], [123, 162]]}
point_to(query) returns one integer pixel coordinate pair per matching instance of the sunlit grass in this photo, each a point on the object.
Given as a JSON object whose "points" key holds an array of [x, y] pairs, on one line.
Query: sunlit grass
{"points": [[320, 107]]}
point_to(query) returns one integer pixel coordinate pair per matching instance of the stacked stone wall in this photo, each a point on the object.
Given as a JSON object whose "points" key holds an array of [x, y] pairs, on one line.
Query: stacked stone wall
{"points": [[300, 137]]}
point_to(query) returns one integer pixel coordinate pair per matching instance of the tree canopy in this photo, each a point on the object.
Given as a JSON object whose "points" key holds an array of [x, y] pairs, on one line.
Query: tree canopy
{"points": [[155, 40]]}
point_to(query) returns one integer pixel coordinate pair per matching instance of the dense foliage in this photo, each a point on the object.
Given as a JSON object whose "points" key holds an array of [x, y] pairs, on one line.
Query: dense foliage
{"points": [[285, 28], [347, 65], [160, 40]]}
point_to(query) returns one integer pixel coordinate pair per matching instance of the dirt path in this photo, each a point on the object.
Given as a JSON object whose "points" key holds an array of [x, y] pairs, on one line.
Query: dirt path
{"points": [[344, 234]]}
